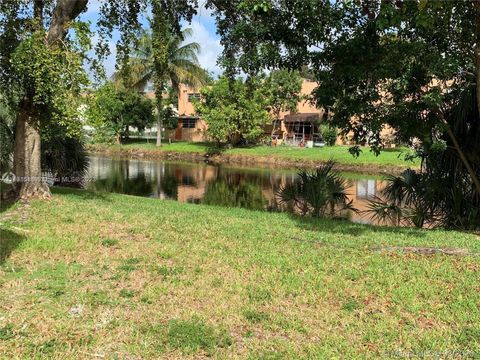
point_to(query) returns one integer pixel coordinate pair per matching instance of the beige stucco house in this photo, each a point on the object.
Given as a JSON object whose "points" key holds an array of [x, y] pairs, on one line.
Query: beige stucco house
{"points": [[192, 128], [294, 127]]}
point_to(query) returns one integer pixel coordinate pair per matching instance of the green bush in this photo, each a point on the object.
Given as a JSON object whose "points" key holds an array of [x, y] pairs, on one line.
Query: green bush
{"points": [[329, 134], [64, 156]]}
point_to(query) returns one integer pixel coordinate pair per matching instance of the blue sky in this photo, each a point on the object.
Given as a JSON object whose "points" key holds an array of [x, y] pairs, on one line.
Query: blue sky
{"points": [[204, 32]]}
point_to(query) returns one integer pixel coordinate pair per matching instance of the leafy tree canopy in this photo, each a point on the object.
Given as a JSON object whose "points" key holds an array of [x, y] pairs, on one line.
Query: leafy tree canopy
{"points": [[381, 62], [234, 110], [112, 111], [182, 63], [283, 88], [413, 65]]}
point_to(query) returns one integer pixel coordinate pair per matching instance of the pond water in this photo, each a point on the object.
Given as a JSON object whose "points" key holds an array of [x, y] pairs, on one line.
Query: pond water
{"points": [[213, 184]]}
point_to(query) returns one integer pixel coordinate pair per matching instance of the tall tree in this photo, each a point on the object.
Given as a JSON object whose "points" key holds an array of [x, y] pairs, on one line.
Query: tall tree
{"points": [[112, 111], [166, 60], [234, 110], [43, 61], [282, 88], [39, 61]]}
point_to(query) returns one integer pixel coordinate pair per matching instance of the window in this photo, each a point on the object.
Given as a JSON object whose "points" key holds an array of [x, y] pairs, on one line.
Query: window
{"points": [[188, 180], [189, 123], [193, 96], [366, 189]]}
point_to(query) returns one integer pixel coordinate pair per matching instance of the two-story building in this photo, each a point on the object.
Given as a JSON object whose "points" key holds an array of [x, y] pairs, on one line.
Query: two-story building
{"points": [[190, 127], [292, 127], [301, 124]]}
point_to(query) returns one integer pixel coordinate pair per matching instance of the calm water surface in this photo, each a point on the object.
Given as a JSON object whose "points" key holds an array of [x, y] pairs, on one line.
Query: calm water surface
{"points": [[201, 183]]}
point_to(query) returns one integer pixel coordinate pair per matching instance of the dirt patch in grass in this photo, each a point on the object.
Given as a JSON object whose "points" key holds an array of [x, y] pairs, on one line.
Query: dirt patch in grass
{"points": [[426, 250], [123, 232], [19, 215]]}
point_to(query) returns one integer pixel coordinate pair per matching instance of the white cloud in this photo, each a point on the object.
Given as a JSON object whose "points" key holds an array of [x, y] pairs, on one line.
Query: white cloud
{"points": [[203, 26], [210, 47]]}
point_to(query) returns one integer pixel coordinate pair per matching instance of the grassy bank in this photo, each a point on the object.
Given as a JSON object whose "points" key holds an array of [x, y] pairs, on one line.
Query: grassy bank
{"points": [[290, 155], [111, 276]]}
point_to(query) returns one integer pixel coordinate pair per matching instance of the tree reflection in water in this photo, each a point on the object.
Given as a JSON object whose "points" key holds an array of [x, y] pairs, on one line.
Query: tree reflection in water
{"points": [[251, 188], [245, 194], [120, 181]]}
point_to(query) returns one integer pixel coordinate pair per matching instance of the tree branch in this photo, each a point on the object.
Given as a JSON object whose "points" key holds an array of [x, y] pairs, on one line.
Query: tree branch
{"points": [[65, 11], [460, 152]]}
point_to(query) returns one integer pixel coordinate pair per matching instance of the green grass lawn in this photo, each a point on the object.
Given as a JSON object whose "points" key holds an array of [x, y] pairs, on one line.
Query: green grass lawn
{"points": [[112, 276], [340, 154]]}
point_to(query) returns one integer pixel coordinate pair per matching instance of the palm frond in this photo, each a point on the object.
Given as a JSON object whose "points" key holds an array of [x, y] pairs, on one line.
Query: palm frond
{"points": [[319, 192], [383, 212], [187, 52], [183, 65]]}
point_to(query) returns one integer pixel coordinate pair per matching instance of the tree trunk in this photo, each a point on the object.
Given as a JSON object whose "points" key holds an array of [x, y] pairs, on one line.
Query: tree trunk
{"points": [[477, 79], [477, 51], [27, 152], [118, 138], [159, 127], [27, 156], [160, 32], [276, 114]]}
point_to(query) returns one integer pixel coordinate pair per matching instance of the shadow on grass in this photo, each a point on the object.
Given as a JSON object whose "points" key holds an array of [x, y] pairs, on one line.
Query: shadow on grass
{"points": [[395, 149], [9, 241], [347, 227], [5, 205], [215, 149], [82, 194]]}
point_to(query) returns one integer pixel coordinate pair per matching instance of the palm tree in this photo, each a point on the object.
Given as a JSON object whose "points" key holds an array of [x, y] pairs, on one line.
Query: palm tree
{"points": [[182, 66]]}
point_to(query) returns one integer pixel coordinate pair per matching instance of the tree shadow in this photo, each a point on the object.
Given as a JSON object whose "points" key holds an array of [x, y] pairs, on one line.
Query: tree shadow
{"points": [[214, 149], [347, 227], [394, 150], [82, 194], [9, 241], [5, 205]]}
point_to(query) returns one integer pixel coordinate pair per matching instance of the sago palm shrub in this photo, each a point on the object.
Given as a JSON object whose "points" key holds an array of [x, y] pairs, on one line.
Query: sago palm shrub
{"points": [[434, 197], [319, 193]]}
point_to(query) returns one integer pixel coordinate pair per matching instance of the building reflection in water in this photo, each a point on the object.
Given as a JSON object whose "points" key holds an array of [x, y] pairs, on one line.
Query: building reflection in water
{"points": [[210, 184]]}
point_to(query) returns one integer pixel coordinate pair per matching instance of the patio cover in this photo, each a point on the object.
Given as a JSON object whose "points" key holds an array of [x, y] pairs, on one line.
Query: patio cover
{"points": [[304, 117], [188, 117]]}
